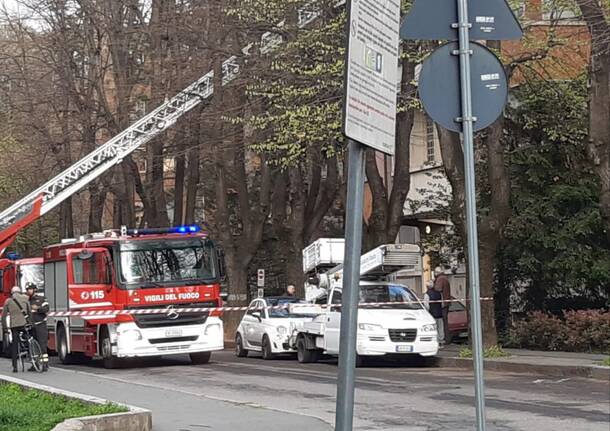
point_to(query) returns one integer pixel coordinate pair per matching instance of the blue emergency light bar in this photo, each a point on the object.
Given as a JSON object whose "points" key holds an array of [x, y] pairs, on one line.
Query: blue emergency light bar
{"points": [[164, 230], [13, 256], [188, 229]]}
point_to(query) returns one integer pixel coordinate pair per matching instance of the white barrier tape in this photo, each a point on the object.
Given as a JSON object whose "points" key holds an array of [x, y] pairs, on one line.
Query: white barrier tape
{"points": [[114, 313]]}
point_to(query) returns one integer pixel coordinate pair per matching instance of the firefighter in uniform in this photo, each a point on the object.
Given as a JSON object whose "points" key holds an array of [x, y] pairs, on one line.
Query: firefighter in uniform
{"points": [[40, 307]]}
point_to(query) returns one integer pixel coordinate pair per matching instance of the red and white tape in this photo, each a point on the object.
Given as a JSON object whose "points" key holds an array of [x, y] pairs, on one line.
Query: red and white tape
{"points": [[113, 313]]}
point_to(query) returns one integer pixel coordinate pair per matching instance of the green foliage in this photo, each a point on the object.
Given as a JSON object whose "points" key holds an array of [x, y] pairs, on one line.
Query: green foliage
{"points": [[33, 410], [606, 362], [554, 243], [573, 331], [302, 89], [491, 352]]}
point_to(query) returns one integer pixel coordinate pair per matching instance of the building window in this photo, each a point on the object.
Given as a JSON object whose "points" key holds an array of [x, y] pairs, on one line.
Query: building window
{"points": [[429, 140], [557, 10]]}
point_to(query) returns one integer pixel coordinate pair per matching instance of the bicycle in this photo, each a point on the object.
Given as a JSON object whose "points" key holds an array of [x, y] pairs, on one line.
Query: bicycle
{"points": [[29, 349]]}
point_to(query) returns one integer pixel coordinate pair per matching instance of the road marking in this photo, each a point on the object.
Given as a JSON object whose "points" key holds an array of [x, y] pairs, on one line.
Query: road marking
{"points": [[186, 392], [308, 373], [538, 381]]}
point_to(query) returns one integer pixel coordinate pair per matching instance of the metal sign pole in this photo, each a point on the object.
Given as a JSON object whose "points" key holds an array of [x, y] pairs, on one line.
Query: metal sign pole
{"points": [[351, 281], [471, 216]]}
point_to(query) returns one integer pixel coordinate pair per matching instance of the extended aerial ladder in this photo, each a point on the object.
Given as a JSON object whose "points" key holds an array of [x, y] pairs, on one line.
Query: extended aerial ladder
{"points": [[64, 185], [51, 194]]}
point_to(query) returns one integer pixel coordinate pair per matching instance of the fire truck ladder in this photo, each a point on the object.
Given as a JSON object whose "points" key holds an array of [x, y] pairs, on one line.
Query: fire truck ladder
{"points": [[77, 176], [55, 191]]}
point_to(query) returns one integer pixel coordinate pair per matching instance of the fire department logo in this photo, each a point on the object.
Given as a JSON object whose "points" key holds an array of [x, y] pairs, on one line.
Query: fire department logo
{"points": [[84, 295], [172, 314]]}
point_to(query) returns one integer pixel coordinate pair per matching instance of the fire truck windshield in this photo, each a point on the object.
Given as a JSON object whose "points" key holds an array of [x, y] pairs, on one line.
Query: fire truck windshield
{"points": [[150, 263], [31, 273]]}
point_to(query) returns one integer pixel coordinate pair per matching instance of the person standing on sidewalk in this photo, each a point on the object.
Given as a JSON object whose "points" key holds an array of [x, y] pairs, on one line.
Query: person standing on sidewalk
{"points": [[433, 305], [441, 284], [40, 309], [15, 313]]}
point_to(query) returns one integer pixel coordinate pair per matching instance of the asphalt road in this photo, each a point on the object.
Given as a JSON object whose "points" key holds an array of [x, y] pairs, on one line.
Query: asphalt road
{"points": [[252, 394]]}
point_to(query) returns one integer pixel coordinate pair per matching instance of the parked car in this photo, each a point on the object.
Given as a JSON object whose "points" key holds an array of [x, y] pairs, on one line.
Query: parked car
{"points": [[267, 330], [458, 320]]}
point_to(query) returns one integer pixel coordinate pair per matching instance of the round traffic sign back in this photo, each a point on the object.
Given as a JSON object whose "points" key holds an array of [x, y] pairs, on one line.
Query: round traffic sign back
{"points": [[440, 89]]}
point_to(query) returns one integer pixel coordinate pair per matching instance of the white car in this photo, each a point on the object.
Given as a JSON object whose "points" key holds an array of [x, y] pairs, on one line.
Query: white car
{"points": [[267, 330]]}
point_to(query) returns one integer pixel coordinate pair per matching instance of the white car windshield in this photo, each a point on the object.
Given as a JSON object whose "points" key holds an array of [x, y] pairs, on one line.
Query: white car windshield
{"points": [[284, 312], [391, 295]]}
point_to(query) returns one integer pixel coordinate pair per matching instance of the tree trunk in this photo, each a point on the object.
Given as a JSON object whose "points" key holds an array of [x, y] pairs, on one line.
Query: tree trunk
{"points": [[128, 207], [66, 221], [179, 190], [487, 260], [237, 275], [192, 180], [294, 265], [97, 201], [596, 15]]}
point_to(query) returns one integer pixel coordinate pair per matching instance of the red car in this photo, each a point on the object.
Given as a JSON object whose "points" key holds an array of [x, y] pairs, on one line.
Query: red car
{"points": [[458, 320]]}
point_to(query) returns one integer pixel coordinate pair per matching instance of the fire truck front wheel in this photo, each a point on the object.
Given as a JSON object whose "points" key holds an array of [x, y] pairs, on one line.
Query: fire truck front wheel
{"points": [[110, 361], [62, 347], [200, 358]]}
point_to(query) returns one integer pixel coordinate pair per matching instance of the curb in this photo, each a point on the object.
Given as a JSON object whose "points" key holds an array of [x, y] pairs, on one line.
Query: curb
{"points": [[136, 419], [597, 372], [589, 372]]}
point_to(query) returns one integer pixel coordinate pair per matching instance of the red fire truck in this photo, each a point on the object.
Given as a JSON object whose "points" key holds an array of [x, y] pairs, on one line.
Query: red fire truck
{"points": [[127, 270], [134, 269], [15, 271]]}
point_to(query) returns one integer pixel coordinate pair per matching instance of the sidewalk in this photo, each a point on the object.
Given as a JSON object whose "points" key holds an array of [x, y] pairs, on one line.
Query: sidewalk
{"points": [[555, 364]]}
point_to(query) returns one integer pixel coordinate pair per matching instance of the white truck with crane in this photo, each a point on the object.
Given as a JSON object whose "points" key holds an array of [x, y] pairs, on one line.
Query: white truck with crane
{"points": [[391, 319]]}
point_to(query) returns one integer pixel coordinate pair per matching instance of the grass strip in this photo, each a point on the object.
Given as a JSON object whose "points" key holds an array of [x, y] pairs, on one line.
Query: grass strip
{"points": [[34, 410]]}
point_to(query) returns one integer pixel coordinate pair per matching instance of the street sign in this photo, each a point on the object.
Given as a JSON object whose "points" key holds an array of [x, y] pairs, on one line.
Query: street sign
{"points": [[372, 74], [439, 86], [260, 280], [463, 87], [261, 292], [433, 19], [369, 119]]}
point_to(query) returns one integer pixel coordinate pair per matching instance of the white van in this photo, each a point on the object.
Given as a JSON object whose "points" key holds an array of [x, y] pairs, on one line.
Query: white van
{"points": [[391, 320]]}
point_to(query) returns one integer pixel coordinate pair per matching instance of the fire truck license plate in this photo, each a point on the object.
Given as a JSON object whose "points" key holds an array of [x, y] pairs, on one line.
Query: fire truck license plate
{"points": [[173, 332], [404, 348]]}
